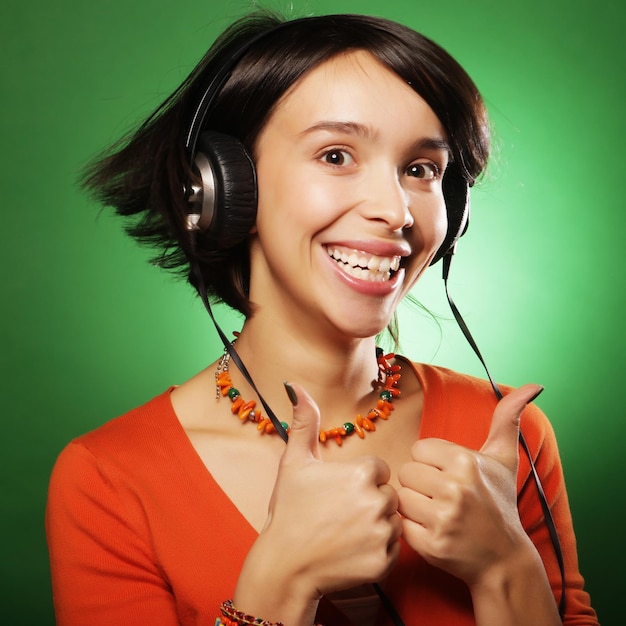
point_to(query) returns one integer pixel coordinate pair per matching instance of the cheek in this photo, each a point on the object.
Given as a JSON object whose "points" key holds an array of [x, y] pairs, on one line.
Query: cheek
{"points": [[432, 222], [432, 227], [293, 200]]}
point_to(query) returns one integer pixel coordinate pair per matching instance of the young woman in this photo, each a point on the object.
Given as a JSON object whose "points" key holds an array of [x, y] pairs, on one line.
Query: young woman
{"points": [[307, 173]]}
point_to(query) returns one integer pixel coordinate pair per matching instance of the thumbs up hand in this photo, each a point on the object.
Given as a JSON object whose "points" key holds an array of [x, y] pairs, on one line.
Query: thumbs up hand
{"points": [[459, 505], [330, 525]]}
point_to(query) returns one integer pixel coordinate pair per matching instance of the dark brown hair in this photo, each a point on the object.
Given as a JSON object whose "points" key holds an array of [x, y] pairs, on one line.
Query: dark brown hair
{"points": [[143, 175]]}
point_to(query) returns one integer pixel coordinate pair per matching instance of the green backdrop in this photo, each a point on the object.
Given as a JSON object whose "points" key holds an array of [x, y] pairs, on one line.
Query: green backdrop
{"points": [[89, 329]]}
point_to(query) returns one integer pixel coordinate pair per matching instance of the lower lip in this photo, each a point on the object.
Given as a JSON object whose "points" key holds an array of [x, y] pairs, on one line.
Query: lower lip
{"points": [[368, 287]]}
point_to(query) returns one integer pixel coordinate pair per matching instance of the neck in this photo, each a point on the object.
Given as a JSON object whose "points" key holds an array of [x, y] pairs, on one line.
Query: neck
{"points": [[337, 373]]}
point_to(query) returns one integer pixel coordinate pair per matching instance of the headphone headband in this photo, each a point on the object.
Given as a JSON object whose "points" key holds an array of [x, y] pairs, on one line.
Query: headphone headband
{"points": [[219, 80]]}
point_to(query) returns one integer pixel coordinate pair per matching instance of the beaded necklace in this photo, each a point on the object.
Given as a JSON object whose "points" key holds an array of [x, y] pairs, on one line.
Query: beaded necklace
{"points": [[388, 377]]}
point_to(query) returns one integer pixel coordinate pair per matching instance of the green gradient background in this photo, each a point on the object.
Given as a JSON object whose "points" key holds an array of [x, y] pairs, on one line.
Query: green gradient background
{"points": [[90, 330]]}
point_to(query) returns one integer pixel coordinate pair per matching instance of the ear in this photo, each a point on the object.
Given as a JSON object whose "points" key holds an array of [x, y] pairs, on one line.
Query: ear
{"points": [[227, 200]]}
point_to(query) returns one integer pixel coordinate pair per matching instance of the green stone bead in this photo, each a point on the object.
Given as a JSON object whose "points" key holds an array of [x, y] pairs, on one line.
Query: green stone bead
{"points": [[349, 427], [233, 393], [285, 426], [386, 395]]}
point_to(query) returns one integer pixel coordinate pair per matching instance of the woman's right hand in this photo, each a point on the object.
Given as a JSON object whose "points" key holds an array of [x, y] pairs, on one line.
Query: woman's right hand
{"points": [[330, 526]]}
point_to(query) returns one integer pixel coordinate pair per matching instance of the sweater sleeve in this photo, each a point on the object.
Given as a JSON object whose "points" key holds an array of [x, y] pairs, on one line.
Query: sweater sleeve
{"points": [[102, 566], [543, 446]]}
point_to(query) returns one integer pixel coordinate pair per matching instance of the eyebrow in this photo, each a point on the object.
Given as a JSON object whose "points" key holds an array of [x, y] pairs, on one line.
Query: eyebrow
{"points": [[362, 130], [349, 128]]}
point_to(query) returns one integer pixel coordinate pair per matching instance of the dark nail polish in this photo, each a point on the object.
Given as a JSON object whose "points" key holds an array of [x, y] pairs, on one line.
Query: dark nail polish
{"points": [[536, 395], [291, 394]]}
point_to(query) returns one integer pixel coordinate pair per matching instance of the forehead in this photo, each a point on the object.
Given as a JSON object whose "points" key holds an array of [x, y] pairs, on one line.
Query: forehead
{"points": [[356, 87]]}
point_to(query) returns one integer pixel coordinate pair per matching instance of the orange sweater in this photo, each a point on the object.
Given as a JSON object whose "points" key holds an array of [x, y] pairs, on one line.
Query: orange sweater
{"points": [[140, 534]]}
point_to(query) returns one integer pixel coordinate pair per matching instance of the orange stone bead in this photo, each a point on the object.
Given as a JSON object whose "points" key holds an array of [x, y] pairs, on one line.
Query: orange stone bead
{"points": [[246, 409], [368, 424]]}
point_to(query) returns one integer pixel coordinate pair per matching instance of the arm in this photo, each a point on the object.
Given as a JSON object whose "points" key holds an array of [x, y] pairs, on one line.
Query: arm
{"points": [[515, 592], [542, 443], [540, 565], [460, 509], [102, 566]]}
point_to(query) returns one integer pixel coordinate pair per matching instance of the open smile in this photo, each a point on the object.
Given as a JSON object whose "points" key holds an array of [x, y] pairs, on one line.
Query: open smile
{"points": [[363, 265]]}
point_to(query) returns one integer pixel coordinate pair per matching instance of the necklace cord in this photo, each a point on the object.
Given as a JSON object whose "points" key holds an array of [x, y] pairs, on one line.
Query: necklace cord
{"points": [[545, 507], [232, 351]]}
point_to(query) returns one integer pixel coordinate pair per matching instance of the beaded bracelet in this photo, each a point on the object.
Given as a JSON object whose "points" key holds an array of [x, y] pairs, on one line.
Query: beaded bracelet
{"points": [[232, 617], [224, 621]]}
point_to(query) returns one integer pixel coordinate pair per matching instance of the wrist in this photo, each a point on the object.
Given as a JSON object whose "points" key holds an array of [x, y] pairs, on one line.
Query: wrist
{"points": [[519, 563], [231, 616], [515, 591], [272, 590]]}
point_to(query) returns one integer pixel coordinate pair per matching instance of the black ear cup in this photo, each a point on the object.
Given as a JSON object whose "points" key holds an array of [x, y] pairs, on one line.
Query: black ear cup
{"points": [[456, 196], [224, 207]]}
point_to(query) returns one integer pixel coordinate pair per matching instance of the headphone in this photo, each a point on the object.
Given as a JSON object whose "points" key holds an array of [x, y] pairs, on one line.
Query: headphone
{"points": [[224, 204]]}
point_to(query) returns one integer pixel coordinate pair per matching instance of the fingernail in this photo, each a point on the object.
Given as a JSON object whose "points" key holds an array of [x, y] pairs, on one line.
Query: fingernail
{"points": [[539, 392], [291, 394]]}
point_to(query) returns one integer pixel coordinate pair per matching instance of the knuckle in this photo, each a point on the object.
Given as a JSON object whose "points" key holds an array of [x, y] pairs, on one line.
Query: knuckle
{"points": [[380, 507], [452, 491], [439, 551], [406, 474], [416, 448], [365, 470], [466, 462], [382, 560], [444, 518], [379, 535]]}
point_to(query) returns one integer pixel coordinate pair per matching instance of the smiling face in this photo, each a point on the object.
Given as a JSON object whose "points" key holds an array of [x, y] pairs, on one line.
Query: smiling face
{"points": [[351, 209]]}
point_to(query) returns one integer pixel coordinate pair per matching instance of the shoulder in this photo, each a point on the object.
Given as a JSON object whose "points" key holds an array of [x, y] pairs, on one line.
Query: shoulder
{"points": [[140, 428], [455, 385], [460, 406], [125, 446]]}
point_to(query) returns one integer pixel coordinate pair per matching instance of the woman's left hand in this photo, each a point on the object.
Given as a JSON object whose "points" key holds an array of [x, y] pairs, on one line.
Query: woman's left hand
{"points": [[460, 505]]}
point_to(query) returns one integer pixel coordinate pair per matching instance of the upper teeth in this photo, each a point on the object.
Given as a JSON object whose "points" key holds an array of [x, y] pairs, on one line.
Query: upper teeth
{"points": [[367, 266]]}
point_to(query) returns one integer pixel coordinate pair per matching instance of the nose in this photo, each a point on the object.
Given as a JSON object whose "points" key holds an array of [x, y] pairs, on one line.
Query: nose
{"points": [[388, 201]]}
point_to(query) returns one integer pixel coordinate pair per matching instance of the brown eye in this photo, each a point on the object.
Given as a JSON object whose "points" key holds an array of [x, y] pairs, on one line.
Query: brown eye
{"points": [[426, 171], [337, 157]]}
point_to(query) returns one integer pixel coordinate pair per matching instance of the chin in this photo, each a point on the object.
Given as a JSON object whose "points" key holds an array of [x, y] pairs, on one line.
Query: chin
{"points": [[367, 328]]}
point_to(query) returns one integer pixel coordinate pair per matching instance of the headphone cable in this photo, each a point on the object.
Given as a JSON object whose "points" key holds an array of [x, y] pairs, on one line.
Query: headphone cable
{"points": [[545, 507]]}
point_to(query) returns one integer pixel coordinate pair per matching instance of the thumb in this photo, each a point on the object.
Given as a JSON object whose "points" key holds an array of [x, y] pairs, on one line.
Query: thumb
{"points": [[305, 426], [502, 440]]}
